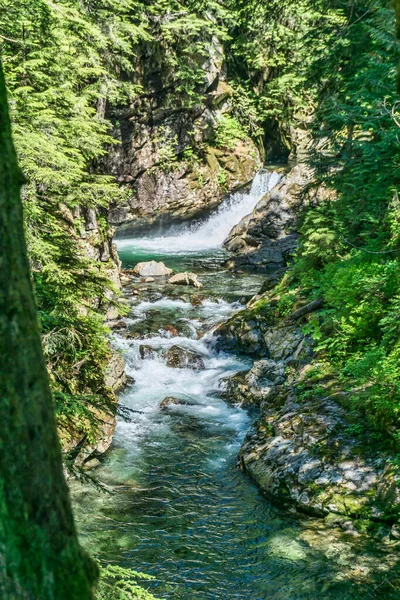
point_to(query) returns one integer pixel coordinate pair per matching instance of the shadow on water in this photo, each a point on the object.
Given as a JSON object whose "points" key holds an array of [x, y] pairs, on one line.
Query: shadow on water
{"points": [[180, 510]]}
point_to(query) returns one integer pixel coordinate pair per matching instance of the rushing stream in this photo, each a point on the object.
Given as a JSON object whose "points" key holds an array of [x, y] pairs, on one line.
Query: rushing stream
{"points": [[178, 508]]}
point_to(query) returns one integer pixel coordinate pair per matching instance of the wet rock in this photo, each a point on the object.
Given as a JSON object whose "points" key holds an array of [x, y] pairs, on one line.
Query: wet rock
{"points": [[182, 358], [152, 269], [186, 279], [241, 334], [116, 324], [149, 280], [303, 453], [147, 352], [260, 384], [172, 401], [265, 239]]}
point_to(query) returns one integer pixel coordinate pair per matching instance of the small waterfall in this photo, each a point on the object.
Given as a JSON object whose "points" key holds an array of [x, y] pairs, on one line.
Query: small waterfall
{"points": [[214, 231]]}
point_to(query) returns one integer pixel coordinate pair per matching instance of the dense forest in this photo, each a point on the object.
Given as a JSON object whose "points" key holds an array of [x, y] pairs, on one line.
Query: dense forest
{"points": [[156, 111]]}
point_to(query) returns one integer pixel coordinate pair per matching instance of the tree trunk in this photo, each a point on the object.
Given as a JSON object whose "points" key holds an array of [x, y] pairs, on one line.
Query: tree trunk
{"points": [[40, 558], [397, 8]]}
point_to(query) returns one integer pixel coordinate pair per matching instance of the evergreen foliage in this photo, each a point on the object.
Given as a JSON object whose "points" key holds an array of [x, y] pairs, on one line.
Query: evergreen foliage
{"points": [[350, 246], [62, 61], [117, 583], [40, 556], [329, 63]]}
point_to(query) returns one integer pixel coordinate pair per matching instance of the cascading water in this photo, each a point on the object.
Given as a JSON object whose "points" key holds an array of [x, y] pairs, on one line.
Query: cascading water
{"points": [[214, 231], [179, 508]]}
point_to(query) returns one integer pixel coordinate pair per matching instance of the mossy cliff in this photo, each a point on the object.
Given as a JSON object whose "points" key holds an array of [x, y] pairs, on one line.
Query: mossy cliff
{"points": [[178, 156]]}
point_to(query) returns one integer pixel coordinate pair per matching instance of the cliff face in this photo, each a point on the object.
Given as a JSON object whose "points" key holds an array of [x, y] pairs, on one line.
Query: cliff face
{"points": [[176, 159]]}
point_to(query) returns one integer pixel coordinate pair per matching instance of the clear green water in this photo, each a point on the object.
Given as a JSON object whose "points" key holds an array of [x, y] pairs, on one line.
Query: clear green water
{"points": [[177, 507]]}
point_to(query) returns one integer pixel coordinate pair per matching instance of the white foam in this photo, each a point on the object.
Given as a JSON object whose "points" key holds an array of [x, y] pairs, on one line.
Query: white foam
{"points": [[213, 232]]}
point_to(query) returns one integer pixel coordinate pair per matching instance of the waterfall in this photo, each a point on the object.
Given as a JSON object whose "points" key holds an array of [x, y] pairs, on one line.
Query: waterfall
{"points": [[211, 233]]}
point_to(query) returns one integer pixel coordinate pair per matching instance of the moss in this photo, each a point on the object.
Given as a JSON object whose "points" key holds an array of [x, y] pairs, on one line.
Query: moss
{"points": [[350, 504]]}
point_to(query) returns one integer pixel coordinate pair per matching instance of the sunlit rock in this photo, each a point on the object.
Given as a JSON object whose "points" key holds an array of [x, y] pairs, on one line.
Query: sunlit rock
{"points": [[186, 279], [152, 269]]}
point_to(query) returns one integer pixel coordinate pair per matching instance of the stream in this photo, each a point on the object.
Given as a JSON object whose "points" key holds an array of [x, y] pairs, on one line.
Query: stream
{"points": [[177, 507]]}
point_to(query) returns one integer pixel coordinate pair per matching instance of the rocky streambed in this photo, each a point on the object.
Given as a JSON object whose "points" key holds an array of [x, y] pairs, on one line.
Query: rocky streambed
{"points": [[214, 374], [175, 504]]}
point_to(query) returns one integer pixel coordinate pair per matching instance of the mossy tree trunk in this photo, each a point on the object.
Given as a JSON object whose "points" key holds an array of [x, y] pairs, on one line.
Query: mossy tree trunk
{"points": [[40, 558], [397, 7]]}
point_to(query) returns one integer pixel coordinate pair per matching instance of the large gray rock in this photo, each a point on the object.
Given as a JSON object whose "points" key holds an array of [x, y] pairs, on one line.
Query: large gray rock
{"points": [[303, 453], [186, 279], [250, 388], [147, 352], [242, 334], [152, 269]]}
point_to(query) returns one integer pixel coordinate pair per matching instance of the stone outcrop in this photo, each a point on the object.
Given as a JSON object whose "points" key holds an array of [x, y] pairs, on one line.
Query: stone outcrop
{"points": [[75, 443], [96, 244], [264, 240], [168, 160], [186, 279], [305, 453], [252, 387]]}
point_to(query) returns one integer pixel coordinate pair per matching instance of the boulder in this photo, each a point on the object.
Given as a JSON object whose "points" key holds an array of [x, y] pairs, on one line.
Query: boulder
{"points": [[152, 269], [147, 352], [250, 388], [302, 451], [264, 240], [171, 400], [182, 358], [186, 279]]}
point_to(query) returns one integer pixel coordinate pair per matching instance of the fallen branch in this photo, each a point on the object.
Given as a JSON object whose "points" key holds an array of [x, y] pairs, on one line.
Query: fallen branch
{"points": [[305, 310]]}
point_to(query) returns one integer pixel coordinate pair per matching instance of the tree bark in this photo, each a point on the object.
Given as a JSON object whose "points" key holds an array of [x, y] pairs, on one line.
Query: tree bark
{"points": [[397, 8], [40, 558]]}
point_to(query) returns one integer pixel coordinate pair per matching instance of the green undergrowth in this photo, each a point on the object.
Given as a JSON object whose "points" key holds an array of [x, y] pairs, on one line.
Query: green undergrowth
{"points": [[355, 338], [349, 244], [229, 132]]}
